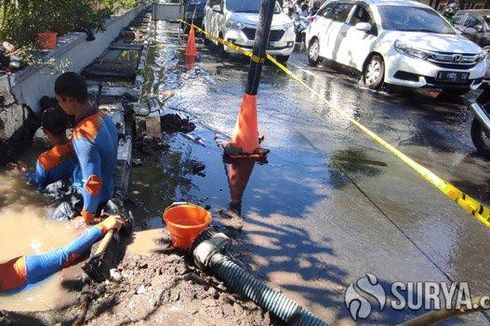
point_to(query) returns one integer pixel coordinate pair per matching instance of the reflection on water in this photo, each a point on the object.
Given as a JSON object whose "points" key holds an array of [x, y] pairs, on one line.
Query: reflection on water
{"points": [[25, 230]]}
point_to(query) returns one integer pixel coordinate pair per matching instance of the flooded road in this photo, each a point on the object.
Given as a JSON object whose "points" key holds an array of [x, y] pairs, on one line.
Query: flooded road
{"points": [[26, 231], [330, 205]]}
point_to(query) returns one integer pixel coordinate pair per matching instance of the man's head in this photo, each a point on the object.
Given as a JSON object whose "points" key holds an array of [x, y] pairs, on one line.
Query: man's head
{"points": [[54, 122], [71, 93], [451, 9]]}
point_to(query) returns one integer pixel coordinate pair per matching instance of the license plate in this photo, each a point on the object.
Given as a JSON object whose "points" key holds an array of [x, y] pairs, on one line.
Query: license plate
{"points": [[452, 76]]}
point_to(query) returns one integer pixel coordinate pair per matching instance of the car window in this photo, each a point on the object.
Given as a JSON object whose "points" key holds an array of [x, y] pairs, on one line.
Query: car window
{"points": [[341, 12], [471, 21], [459, 19], [326, 11], [413, 19], [248, 6], [361, 15]]}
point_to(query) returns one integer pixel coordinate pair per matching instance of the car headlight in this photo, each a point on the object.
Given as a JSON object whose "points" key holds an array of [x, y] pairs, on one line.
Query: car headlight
{"points": [[483, 55], [410, 51], [231, 24]]}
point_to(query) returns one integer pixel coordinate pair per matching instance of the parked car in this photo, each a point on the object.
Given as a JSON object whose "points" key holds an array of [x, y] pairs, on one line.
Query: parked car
{"points": [[396, 42], [474, 25], [194, 11], [236, 22]]}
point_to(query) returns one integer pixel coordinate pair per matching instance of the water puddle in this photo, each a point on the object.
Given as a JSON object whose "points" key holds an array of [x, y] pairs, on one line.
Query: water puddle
{"points": [[26, 231]]}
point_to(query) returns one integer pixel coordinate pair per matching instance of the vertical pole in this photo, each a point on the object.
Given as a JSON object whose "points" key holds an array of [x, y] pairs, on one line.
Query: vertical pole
{"points": [[260, 45]]}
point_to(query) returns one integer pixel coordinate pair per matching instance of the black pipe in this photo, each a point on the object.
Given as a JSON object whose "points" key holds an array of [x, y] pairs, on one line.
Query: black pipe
{"points": [[241, 281], [260, 46]]}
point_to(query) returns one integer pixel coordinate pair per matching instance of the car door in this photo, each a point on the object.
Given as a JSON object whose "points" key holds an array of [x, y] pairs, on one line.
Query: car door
{"points": [[319, 28], [356, 44], [337, 50]]}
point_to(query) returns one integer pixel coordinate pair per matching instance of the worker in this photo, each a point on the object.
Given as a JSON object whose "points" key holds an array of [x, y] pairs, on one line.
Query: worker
{"points": [[58, 163], [94, 140], [450, 11], [25, 270]]}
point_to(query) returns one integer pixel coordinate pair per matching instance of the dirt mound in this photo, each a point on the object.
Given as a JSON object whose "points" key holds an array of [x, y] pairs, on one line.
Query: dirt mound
{"points": [[167, 290]]}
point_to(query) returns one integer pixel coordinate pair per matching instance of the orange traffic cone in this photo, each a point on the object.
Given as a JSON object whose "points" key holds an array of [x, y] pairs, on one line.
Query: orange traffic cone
{"points": [[191, 51], [246, 133], [190, 62]]}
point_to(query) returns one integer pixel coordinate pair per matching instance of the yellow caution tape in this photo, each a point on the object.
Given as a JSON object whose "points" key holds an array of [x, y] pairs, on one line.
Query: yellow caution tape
{"points": [[471, 205]]}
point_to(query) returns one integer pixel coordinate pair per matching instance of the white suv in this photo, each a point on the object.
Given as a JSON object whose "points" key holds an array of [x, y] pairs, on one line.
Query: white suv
{"points": [[397, 42], [236, 21]]}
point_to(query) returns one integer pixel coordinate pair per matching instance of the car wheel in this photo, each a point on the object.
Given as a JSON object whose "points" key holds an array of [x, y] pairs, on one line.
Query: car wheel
{"points": [[282, 58], [314, 52], [480, 139], [221, 49], [374, 72]]}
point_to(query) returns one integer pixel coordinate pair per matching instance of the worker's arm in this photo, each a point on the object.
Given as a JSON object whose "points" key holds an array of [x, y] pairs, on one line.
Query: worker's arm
{"points": [[41, 266], [32, 269], [90, 165], [37, 178]]}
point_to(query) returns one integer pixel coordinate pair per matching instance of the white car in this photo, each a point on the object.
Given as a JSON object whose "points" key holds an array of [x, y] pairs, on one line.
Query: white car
{"points": [[236, 21], [402, 43]]}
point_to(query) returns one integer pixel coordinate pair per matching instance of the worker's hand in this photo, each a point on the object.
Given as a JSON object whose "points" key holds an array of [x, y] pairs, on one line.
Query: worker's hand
{"points": [[114, 222], [20, 166]]}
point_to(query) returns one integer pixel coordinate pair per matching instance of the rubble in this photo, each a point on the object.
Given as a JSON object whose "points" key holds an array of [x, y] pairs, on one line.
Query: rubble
{"points": [[172, 123]]}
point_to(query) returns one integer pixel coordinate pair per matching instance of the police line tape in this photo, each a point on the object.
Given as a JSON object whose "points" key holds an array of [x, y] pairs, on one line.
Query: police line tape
{"points": [[471, 205]]}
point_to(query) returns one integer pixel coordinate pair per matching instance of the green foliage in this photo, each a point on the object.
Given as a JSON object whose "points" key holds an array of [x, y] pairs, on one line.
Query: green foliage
{"points": [[22, 20]]}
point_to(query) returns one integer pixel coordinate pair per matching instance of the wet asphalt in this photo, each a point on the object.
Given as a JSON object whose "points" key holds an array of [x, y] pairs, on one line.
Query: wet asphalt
{"points": [[330, 205]]}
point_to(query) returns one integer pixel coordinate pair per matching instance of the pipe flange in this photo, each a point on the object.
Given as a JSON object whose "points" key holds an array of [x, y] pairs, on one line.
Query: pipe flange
{"points": [[206, 249]]}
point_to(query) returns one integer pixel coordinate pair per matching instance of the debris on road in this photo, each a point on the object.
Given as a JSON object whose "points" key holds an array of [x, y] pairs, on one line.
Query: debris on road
{"points": [[172, 123]]}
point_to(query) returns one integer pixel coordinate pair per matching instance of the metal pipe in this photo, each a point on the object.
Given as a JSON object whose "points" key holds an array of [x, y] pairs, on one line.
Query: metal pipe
{"points": [[261, 41], [481, 115]]}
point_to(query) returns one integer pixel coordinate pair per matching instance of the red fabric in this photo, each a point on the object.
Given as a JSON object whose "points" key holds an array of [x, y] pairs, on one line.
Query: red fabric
{"points": [[93, 185], [55, 156], [87, 216], [13, 273]]}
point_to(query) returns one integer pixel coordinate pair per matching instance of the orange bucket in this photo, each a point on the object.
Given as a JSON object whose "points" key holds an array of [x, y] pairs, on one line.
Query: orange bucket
{"points": [[47, 40], [185, 222]]}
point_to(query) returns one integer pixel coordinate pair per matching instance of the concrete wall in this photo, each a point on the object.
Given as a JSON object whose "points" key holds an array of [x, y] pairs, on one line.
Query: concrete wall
{"points": [[30, 84]]}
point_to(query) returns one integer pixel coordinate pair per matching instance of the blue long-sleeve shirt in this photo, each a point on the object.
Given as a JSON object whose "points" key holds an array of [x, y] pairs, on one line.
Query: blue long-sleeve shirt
{"points": [[95, 144], [53, 165]]}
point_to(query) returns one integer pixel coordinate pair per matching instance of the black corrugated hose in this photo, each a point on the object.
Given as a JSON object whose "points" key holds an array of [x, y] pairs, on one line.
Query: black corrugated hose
{"points": [[240, 280]]}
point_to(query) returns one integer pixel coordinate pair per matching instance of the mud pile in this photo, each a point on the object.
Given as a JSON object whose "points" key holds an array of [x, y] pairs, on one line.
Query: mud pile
{"points": [[165, 289]]}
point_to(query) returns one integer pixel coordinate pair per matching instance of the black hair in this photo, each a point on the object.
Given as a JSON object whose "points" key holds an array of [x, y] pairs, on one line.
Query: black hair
{"points": [[72, 85], [54, 120]]}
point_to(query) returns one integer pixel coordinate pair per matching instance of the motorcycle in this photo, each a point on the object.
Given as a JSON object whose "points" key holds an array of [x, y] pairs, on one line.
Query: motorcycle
{"points": [[480, 127]]}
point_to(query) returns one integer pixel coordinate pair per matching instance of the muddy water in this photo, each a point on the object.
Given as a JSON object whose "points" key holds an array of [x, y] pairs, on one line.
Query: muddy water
{"points": [[25, 231]]}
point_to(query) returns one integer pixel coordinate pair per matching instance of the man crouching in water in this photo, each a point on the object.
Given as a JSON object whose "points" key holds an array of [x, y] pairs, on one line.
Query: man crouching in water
{"points": [[94, 140]]}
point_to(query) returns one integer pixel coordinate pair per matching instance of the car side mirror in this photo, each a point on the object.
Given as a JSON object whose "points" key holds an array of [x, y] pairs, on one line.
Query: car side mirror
{"points": [[363, 27], [479, 28], [216, 8]]}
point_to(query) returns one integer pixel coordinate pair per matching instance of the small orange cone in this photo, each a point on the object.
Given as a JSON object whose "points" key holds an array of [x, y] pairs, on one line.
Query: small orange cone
{"points": [[190, 62], [191, 51], [246, 133]]}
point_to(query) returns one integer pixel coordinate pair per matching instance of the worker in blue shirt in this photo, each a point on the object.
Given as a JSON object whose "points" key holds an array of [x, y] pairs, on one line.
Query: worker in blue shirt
{"points": [[94, 140], [58, 162]]}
